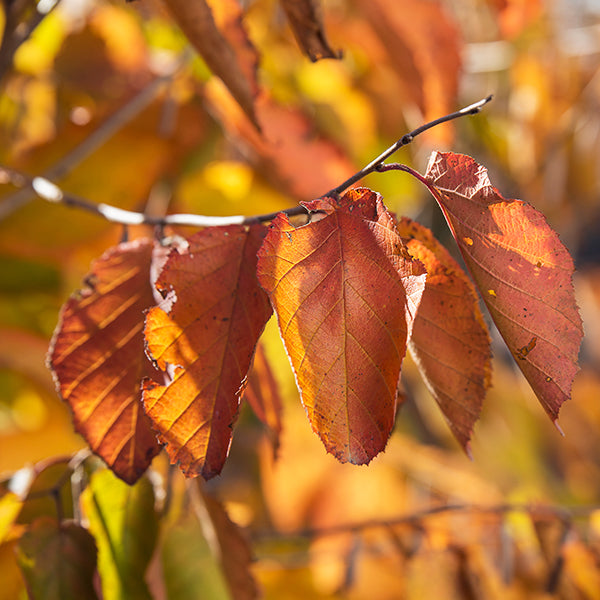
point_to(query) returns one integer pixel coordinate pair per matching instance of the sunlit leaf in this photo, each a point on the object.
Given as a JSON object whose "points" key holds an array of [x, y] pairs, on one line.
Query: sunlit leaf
{"points": [[306, 21], [449, 342], [58, 561], [97, 356], [522, 270], [211, 331], [344, 317], [125, 525]]}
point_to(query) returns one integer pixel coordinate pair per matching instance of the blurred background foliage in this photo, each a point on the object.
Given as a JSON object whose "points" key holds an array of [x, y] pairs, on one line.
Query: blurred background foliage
{"points": [[166, 138]]}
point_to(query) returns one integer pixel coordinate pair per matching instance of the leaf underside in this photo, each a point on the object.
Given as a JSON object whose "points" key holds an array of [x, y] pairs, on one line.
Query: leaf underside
{"points": [[522, 270], [209, 336], [344, 316]]}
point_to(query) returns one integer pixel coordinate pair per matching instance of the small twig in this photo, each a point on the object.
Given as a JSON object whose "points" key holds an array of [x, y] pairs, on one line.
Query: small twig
{"points": [[564, 514], [93, 142], [406, 139], [16, 33]]}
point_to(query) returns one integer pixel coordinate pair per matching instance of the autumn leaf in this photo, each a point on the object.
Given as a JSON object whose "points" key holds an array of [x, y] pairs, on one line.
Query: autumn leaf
{"points": [[208, 336], [522, 270], [344, 317], [262, 394], [97, 357], [449, 342], [58, 560], [218, 47], [306, 21]]}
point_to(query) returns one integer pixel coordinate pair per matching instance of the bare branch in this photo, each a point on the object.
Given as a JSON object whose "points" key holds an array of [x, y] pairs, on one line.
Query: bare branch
{"points": [[406, 139]]}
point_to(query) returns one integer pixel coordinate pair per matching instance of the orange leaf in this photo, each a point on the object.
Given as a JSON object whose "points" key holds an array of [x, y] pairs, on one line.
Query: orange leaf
{"points": [[306, 21], [262, 394], [522, 270], [97, 357], [344, 317], [209, 335], [225, 52], [450, 342]]}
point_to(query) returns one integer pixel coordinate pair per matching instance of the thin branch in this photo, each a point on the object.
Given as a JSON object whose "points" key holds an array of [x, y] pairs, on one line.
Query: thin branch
{"points": [[406, 139], [562, 513], [125, 114], [16, 33], [49, 191]]}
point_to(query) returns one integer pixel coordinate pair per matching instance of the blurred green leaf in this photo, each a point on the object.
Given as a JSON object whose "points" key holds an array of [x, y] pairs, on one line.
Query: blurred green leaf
{"points": [[125, 525], [190, 569], [57, 561]]}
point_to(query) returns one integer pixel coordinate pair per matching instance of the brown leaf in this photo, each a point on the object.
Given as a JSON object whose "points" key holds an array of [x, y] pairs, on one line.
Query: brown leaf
{"points": [[97, 357], [209, 336], [450, 342], [306, 21], [225, 47], [262, 394], [522, 270], [344, 317]]}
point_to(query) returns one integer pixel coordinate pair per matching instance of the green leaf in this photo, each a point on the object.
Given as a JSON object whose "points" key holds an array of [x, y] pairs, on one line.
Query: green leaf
{"points": [[125, 525], [190, 569], [57, 560]]}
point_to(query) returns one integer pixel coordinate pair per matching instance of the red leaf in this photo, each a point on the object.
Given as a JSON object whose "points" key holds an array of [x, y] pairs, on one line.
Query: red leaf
{"points": [[306, 21], [344, 317], [522, 270], [228, 53], [97, 357], [262, 394], [209, 335], [449, 342]]}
